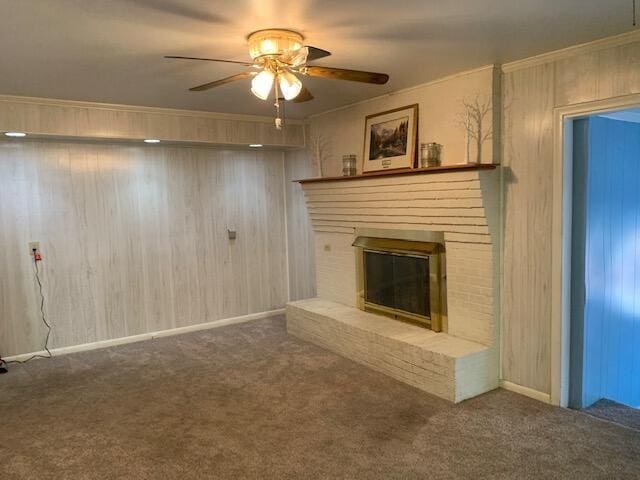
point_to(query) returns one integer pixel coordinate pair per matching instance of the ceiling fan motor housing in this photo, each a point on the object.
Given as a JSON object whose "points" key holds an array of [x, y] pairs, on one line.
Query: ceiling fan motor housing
{"points": [[274, 42]]}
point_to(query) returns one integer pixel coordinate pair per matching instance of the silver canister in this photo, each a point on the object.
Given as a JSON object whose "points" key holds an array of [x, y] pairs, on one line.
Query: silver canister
{"points": [[430, 154], [348, 165]]}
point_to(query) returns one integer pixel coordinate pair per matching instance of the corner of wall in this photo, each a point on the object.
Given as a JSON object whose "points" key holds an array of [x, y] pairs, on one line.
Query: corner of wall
{"points": [[497, 114]]}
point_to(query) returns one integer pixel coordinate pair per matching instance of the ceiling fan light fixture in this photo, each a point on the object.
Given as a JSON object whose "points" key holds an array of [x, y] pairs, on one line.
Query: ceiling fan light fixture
{"points": [[262, 83], [299, 57], [278, 55], [290, 85], [274, 42]]}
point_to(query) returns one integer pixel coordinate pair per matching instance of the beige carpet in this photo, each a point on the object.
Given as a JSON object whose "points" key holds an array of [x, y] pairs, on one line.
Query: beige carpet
{"points": [[249, 401], [615, 412]]}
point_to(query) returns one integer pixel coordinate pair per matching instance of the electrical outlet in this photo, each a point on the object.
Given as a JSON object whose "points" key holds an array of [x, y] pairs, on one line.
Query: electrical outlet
{"points": [[32, 246]]}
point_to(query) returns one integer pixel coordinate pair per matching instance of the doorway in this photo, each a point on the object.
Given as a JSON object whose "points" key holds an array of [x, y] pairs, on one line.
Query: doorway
{"points": [[604, 364]]}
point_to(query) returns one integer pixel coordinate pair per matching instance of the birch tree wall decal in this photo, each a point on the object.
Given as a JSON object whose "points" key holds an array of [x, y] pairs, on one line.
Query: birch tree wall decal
{"points": [[473, 119], [318, 147]]}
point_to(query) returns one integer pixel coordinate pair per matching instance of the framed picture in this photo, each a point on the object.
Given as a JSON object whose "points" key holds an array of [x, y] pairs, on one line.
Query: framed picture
{"points": [[390, 140]]}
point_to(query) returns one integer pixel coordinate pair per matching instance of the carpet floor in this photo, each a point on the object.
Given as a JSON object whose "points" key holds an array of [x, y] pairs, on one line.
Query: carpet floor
{"points": [[250, 401], [615, 412]]}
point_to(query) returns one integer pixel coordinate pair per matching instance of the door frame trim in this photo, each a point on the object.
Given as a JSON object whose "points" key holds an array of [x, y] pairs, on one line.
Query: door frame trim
{"points": [[562, 216]]}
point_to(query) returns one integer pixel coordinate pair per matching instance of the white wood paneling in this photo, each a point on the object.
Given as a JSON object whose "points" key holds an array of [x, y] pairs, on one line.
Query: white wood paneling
{"points": [[531, 92], [598, 75], [299, 233], [134, 239], [527, 242], [63, 118], [573, 51]]}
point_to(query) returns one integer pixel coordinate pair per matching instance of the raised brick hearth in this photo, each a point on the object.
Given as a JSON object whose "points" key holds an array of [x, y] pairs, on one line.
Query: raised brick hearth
{"points": [[438, 363]]}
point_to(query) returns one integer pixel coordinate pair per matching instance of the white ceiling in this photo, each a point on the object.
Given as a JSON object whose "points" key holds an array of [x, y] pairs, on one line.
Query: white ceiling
{"points": [[111, 50]]}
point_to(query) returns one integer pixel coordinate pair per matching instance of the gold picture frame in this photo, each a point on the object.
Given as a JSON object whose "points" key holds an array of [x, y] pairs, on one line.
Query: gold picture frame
{"points": [[390, 140]]}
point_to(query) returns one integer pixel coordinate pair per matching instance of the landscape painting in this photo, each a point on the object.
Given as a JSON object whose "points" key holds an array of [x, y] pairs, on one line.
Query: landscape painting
{"points": [[389, 139]]}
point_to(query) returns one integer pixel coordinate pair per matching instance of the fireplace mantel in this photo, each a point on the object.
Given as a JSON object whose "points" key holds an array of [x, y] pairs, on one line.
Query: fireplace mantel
{"points": [[412, 171]]}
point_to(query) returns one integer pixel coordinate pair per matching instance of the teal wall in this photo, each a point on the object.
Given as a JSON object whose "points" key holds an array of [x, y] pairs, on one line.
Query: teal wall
{"points": [[610, 154]]}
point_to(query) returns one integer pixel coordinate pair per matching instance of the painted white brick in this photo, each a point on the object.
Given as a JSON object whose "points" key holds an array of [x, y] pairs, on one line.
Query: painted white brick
{"points": [[438, 363], [463, 205]]}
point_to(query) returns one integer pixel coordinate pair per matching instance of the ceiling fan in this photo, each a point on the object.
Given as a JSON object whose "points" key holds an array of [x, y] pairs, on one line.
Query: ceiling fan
{"points": [[278, 56]]}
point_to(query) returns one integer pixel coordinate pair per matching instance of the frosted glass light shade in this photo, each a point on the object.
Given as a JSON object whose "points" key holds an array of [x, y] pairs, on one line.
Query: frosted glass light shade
{"points": [[262, 83], [290, 85], [273, 42]]}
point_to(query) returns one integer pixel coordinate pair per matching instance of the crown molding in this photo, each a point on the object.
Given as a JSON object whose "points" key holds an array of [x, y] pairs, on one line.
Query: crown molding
{"points": [[54, 102], [581, 49], [67, 119]]}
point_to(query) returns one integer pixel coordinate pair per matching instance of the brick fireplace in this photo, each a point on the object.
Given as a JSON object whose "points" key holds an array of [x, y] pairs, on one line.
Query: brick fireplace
{"points": [[450, 213]]}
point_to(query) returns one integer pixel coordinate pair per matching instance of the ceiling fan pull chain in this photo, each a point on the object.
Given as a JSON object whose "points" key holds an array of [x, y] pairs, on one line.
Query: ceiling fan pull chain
{"points": [[277, 105], [283, 109]]}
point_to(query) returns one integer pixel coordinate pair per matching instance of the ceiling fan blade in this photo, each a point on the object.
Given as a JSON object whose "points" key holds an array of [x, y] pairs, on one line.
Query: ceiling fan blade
{"points": [[246, 64], [343, 74], [223, 81], [316, 53], [303, 96]]}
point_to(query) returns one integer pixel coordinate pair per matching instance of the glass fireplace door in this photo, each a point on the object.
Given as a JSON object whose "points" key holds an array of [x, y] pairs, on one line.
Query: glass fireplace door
{"points": [[398, 282]]}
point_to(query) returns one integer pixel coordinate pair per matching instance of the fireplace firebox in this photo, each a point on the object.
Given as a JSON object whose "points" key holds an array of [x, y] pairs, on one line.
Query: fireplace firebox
{"points": [[402, 279]]}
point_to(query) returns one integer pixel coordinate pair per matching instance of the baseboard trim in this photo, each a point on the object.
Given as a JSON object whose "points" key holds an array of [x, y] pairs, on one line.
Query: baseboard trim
{"points": [[149, 336], [526, 391]]}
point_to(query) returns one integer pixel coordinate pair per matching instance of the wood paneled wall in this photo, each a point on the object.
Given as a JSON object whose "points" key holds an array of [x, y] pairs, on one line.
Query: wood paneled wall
{"points": [[135, 239], [302, 267], [530, 95], [62, 118]]}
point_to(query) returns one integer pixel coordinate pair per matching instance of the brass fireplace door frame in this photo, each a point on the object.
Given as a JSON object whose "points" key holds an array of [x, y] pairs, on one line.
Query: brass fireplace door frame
{"points": [[433, 252]]}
